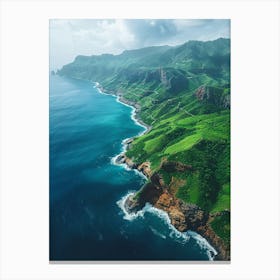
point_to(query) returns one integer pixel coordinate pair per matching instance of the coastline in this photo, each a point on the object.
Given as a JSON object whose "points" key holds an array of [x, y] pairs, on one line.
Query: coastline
{"points": [[133, 105], [121, 159]]}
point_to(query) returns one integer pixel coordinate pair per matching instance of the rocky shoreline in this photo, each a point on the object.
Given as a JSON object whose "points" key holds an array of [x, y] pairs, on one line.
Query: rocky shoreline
{"points": [[132, 104], [183, 216]]}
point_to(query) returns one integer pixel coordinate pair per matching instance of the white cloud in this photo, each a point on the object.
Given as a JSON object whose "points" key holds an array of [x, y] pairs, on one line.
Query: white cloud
{"points": [[69, 38], [101, 36]]}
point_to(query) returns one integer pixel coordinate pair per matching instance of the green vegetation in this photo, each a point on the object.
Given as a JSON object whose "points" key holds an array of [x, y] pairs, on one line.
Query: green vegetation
{"points": [[223, 199], [184, 93], [183, 145], [221, 225], [190, 191]]}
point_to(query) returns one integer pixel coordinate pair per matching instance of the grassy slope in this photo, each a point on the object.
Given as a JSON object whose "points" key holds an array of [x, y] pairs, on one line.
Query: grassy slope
{"points": [[185, 129], [201, 141]]}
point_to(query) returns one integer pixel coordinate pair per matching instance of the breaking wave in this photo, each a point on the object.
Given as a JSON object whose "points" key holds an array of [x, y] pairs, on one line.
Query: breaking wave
{"points": [[177, 236], [173, 233]]}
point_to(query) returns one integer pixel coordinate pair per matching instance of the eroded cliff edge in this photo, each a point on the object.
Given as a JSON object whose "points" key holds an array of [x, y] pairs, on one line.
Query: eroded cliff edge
{"points": [[183, 216], [185, 97]]}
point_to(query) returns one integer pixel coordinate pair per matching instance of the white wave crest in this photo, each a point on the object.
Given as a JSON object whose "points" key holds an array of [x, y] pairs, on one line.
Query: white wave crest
{"points": [[125, 166], [114, 162], [133, 116], [203, 244], [96, 85], [156, 232], [177, 236], [129, 216], [139, 173], [133, 109], [124, 144]]}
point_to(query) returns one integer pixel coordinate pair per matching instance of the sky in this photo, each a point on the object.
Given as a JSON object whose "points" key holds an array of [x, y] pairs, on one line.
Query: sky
{"points": [[72, 37]]}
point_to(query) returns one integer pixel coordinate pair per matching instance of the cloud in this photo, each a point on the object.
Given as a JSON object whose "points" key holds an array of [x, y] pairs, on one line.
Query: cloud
{"points": [[69, 38], [151, 31], [101, 36]]}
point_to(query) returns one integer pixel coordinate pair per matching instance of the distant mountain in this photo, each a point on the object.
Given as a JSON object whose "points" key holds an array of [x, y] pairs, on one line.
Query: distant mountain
{"points": [[183, 93], [194, 57]]}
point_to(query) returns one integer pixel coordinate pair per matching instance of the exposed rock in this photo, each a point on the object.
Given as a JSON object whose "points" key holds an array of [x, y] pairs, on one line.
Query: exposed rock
{"points": [[213, 95], [130, 163], [132, 204], [145, 168], [123, 159], [177, 218], [200, 93], [148, 193], [195, 216], [128, 143], [183, 216], [120, 159], [164, 201], [208, 233]]}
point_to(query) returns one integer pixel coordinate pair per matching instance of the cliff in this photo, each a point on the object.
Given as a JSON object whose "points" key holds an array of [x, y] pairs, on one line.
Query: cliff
{"points": [[182, 96], [183, 216]]}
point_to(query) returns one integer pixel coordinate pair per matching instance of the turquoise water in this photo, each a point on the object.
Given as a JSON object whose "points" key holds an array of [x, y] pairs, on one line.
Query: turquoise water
{"points": [[87, 221]]}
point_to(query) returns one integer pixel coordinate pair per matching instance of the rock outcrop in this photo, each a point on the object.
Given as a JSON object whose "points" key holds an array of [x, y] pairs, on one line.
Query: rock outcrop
{"points": [[183, 216], [208, 233], [214, 96], [145, 168], [123, 159]]}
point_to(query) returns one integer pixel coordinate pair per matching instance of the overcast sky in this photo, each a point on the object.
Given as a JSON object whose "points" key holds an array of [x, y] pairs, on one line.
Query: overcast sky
{"points": [[69, 38]]}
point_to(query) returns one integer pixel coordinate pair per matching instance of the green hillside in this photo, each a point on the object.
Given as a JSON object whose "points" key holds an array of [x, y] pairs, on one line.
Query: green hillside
{"points": [[184, 94]]}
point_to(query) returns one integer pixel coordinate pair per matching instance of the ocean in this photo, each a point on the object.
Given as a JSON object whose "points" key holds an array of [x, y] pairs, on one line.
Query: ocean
{"points": [[87, 191]]}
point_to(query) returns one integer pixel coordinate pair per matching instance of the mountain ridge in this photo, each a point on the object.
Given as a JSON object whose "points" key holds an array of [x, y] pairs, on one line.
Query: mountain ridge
{"points": [[183, 93]]}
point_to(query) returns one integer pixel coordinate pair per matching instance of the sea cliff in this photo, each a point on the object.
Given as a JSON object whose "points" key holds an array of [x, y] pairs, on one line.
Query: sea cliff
{"points": [[183, 101], [183, 216]]}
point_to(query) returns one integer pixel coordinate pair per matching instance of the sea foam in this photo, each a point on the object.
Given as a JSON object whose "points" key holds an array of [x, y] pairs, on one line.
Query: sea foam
{"points": [[181, 237], [177, 236], [133, 116], [203, 244], [133, 109]]}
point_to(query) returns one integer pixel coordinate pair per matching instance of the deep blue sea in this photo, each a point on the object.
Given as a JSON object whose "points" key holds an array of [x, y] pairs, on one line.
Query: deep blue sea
{"points": [[87, 191]]}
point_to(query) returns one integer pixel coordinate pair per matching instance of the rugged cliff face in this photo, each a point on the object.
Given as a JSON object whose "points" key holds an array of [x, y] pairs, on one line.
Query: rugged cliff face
{"points": [[183, 93], [217, 97], [183, 216]]}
